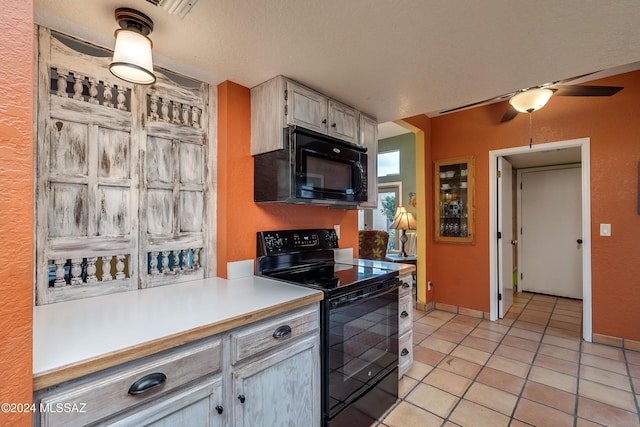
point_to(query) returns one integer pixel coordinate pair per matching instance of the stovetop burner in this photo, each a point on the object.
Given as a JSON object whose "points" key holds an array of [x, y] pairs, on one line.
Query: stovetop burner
{"points": [[333, 276], [305, 257]]}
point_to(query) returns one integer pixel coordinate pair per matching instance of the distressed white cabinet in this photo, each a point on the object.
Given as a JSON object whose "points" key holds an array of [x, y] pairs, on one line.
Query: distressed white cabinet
{"points": [[305, 107], [369, 139], [279, 389], [152, 388], [276, 374], [197, 405], [405, 325], [281, 102], [263, 374], [343, 122]]}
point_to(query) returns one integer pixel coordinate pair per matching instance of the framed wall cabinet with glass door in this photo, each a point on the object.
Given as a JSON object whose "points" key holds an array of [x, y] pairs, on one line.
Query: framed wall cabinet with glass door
{"points": [[454, 190]]}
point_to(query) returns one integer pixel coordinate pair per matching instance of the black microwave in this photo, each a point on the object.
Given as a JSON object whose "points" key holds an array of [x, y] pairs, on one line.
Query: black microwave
{"points": [[312, 168]]}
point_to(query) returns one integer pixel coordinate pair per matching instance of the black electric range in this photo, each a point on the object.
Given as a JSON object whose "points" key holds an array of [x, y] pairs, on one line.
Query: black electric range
{"points": [[359, 322]]}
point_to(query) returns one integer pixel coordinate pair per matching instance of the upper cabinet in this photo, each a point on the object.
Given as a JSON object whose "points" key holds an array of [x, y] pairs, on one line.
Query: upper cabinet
{"points": [[281, 102], [343, 122], [369, 139], [454, 189]]}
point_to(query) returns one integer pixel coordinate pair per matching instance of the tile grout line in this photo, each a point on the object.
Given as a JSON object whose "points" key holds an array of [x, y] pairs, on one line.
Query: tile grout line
{"points": [[633, 389], [473, 380]]}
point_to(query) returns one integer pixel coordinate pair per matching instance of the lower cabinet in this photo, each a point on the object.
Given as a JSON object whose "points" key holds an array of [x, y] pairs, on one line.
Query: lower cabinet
{"points": [[260, 386], [197, 405], [405, 325], [264, 374]]}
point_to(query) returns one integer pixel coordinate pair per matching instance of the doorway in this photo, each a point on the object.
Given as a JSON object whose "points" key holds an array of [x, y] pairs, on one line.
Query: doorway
{"points": [[543, 154], [550, 221], [389, 197]]}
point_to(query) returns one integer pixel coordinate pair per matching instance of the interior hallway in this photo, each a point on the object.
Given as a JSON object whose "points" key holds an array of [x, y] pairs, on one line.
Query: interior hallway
{"points": [[530, 368]]}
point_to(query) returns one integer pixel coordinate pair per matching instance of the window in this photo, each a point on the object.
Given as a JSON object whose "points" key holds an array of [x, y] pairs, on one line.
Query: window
{"points": [[381, 218], [389, 163]]}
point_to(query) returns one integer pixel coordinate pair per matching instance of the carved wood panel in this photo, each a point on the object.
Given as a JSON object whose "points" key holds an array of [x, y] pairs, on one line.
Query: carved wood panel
{"points": [[122, 177]]}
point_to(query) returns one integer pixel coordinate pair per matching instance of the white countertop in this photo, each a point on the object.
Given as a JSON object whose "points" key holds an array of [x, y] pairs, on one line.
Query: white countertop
{"points": [[77, 336]]}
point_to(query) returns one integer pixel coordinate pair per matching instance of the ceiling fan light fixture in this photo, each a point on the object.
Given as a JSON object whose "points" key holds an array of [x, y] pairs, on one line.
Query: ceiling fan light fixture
{"points": [[132, 57], [530, 100]]}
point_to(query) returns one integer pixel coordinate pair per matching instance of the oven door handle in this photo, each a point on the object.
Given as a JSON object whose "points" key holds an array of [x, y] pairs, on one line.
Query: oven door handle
{"points": [[340, 303]]}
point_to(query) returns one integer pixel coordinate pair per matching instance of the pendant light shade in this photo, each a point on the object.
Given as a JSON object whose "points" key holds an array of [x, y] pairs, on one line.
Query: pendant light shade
{"points": [[132, 57], [530, 100]]}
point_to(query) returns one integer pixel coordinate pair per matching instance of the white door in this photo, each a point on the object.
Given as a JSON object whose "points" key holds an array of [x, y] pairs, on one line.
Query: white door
{"points": [[551, 236], [505, 239]]}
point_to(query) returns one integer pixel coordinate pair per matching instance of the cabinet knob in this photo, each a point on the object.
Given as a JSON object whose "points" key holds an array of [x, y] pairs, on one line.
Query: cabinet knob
{"points": [[405, 285], [147, 382], [219, 409], [404, 352], [404, 314], [579, 241], [333, 125], [241, 398], [324, 122]]}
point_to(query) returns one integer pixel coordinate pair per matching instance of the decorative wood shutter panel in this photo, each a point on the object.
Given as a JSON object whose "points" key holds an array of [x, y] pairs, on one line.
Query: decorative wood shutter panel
{"points": [[94, 133]]}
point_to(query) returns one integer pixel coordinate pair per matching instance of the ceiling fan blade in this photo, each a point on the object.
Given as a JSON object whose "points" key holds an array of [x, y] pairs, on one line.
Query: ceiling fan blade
{"points": [[509, 114], [473, 104], [577, 90]]}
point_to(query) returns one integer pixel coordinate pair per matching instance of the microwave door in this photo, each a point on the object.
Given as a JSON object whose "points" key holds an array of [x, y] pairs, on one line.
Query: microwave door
{"points": [[325, 177]]}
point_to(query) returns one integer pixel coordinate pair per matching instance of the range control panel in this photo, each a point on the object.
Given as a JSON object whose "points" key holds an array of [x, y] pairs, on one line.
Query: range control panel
{"points": [[288, 241]]}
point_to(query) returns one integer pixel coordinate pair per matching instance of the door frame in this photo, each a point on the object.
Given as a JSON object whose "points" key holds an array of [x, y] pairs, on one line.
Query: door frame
{"points": [[585, 153]]}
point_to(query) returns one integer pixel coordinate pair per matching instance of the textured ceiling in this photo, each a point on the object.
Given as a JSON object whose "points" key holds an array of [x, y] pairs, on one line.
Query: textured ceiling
{"points": [[388, 58]]}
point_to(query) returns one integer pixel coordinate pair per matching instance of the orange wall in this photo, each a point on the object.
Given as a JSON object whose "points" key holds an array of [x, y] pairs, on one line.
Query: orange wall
{"points": [[16, 207], [239, 218], [461, 273]]}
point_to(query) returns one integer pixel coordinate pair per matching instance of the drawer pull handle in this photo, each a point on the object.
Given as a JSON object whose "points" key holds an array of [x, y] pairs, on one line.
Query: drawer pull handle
{"points": [[404, 314], [404, 352], [147, 382], [219, 408], [241, 398], [282, 331], [405, 285]]}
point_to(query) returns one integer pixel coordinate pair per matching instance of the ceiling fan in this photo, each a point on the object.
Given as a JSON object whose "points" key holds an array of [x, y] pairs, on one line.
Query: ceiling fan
{"points": [[533, 98]]}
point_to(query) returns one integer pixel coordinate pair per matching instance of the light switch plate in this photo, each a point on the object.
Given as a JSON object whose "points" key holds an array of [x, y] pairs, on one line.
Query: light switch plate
{"points": [[605, 229], [337, 228]]}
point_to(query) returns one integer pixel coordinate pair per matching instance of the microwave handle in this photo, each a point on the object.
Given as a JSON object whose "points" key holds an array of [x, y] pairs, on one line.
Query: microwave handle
{"points": [[363, 178]]}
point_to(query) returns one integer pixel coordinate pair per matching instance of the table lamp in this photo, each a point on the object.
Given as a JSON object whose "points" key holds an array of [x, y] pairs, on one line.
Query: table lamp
{"points": [[404, 221]]}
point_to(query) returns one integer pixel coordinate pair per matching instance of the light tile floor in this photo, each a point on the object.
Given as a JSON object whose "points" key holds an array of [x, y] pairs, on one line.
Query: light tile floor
{"points": [[530, 368]]}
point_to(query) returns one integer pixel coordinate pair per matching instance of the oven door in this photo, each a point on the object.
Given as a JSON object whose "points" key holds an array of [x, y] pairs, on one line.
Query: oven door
{"points": [[362, 344]]}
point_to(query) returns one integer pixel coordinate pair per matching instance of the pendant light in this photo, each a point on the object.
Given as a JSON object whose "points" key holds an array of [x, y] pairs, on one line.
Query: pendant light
{"points": [[132, 58]]}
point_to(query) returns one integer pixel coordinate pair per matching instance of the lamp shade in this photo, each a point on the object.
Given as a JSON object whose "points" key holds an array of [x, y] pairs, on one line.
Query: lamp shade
{"points": [[403, 220], [530, 100], [132, 58]]}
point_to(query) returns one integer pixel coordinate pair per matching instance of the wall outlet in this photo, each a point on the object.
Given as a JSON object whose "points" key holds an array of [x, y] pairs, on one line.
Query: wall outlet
{"points": [[337, 228], [429, 284], [605, 229]]}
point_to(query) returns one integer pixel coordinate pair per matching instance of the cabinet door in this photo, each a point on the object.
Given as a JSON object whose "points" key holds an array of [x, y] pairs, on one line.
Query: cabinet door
{"points": [[306, 108], [369, 139], [197, 405], [281, 389], [343, 122], [454, 191]]}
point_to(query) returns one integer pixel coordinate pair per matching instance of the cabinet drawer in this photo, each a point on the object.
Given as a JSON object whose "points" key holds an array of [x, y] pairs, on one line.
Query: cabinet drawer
{"points": [[407, 284], [405, 313], [405, 349], [108, 393], [269, 334]]}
